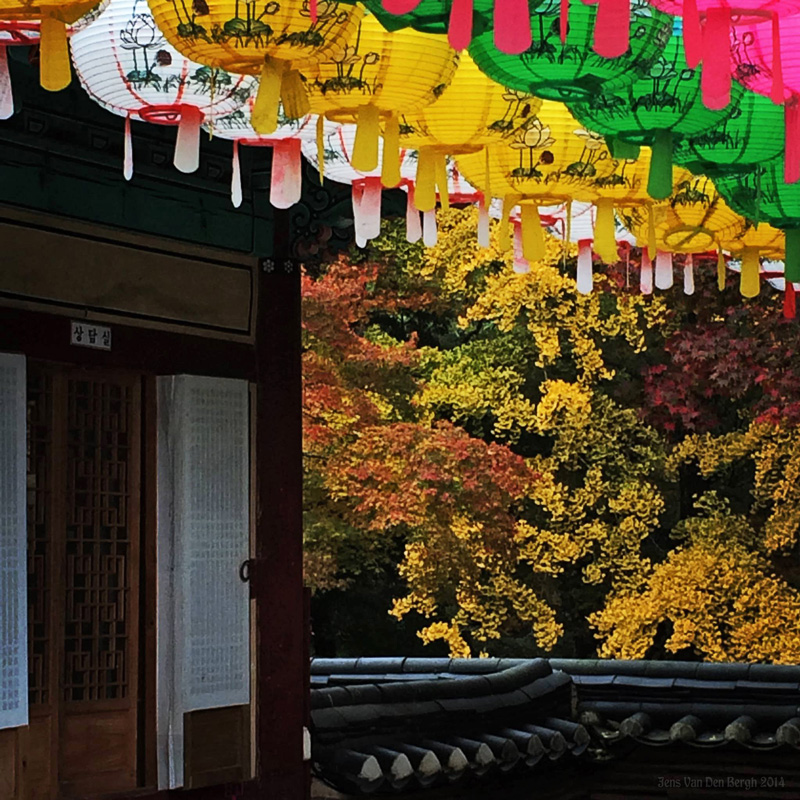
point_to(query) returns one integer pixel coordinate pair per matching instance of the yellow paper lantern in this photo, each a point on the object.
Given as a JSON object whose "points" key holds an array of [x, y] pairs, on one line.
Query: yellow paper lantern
{"points": [[379, 76], [472, 112], [53, 16], [755, 242], [276, 39]]}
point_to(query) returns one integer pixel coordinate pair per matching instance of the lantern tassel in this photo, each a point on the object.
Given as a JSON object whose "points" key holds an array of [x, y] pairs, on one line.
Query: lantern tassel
{"points": [[664, 272], [789, 301], [791, 121], [776, 95], [236, 177], [715, 81], [483, 223], [749, 280], [286, 181], [659, 180], [487, 177], [605, 234], [6, 92], [646, 274], [365, 146], [429, 233], [400, 6], [264, 117], [187, 143], [532, 233], [313, 11], [320, 136], [504, 241], [583, 276], [651, 232], [440, 172], [127, 158], [426, 179], [390, 164], [721, 273], [692, 34], [369, 210], [520, 265], [612, 28], [413, 223], [54, 69], [563, 20], [294, 96], [792, 259], [459, 28], [512, 26], [688, 275]]}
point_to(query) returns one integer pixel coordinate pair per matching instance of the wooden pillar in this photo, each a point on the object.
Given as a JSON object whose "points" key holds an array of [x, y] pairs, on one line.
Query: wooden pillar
{"points": [[277, 577]]}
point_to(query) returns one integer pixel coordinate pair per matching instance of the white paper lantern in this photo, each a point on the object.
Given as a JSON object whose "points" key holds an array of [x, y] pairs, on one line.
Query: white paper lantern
{"points": [[287, 160], [125, 64]]}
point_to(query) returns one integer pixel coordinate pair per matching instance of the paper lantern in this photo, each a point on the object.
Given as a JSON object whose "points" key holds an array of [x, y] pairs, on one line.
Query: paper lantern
{"points": [[756, 241], [378, 77], [571, 70], [707, 28], [657, 109], [125, 64], [747, 137], [286, 173], [763, 194], [473, 111], [276, 39], [338, 143]]}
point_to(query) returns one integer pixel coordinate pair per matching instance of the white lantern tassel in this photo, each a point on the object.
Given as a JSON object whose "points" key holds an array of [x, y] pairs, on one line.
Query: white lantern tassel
{"points": [[286, 180], [413, 222], [429, 233], [483, 223], [584, 278], [187, 144], [688, 275], [6, 93], [236, 177], [664, 273], [127, 161]]}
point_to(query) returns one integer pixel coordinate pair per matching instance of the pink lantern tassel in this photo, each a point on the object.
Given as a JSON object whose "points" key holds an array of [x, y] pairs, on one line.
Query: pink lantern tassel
{"points": [[715, 81], [6, 92], [400, 6], [692, 34], [791, 120], [356, 192], [483, 223], [127, 158], [646, 274], [688, 275], [459, 28], [563, 21], [776, 95], [313, 11], [512, 26], [236, 177], [789, 301], [369, 221], [413, 222], [286, 181], [583, 275], [430, 235], [521, 264], [187, 143], [664, 272], [612, 28]]}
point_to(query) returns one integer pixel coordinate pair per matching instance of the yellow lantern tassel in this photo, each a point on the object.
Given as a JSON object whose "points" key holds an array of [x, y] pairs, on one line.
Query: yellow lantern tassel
{"points": [[294, 95], [321, 147], [390, 168], [425, 192], [720, 269], [605, 234], [365, 146], [532, 233], [440, 172], [264, 116], [504, 240], [750, 282], [487, 178], [651, 232], [54, 71]]}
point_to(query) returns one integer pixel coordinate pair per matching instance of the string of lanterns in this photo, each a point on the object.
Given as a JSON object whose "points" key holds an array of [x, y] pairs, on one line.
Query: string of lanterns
{"points": [[674, 124]]}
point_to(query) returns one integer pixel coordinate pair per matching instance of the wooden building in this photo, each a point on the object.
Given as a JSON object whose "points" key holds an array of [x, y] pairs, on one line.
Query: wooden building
{"points": [[152, 613]]}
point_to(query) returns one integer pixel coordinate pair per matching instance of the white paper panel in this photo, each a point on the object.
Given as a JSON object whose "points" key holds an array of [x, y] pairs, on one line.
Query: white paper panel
{"points": [[13, 545], [203, 538]]}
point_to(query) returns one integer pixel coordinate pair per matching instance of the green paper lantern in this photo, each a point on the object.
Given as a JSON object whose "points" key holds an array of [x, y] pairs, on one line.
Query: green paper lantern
{"points": [[749, 137], [656, 110], [762, 194], [572, 71]]}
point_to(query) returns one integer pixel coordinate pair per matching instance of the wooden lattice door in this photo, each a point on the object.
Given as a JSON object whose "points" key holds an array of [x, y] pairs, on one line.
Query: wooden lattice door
{"points": [[84, 510]]}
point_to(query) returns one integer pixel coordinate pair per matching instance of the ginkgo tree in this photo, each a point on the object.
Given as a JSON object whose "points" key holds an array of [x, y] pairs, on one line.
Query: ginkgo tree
{"points": [[517, 453]]}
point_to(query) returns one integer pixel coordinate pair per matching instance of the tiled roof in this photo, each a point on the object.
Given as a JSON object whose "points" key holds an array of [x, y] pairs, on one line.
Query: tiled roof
{"points": [[392, 724]]}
